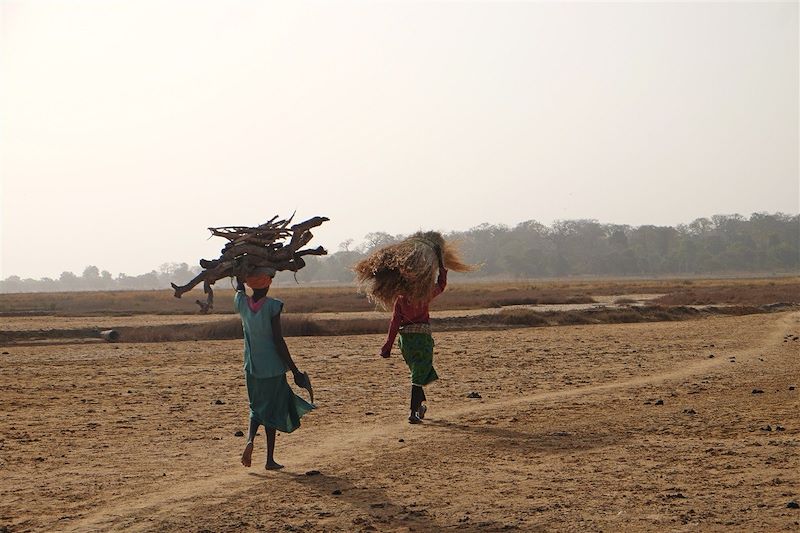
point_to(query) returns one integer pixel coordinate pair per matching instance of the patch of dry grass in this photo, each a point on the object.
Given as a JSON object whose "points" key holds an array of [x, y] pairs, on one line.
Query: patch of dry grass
{"points": [[755, 294], [305, 299], [297, 300], [122, 303], [603, 315], [304, 325], [522, 317], [291, 325]]}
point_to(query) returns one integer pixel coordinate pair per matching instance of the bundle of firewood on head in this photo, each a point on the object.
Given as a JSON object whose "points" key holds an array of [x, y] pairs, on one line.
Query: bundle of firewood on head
{"points": [[262, 248], [407, 268]]}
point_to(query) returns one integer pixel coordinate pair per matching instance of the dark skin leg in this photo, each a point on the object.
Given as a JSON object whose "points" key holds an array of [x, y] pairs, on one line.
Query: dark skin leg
{"points": [[271, 464], [417, 397], [251, 434], [247, 454]]}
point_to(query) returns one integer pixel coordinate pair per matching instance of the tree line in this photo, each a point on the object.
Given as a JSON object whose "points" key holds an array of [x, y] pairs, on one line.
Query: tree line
{"points": [[93, 279], [721, 244]]}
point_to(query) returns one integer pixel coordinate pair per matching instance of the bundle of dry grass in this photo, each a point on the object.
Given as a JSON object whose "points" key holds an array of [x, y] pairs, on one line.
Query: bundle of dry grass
{"points": [[407, 268]]}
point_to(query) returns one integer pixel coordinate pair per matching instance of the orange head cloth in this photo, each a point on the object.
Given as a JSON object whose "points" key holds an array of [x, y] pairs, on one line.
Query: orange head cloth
{"points": [[258, 281]]}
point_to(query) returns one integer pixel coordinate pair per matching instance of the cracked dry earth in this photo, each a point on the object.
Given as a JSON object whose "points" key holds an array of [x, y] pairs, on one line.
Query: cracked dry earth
{"points": [[584, 428]]}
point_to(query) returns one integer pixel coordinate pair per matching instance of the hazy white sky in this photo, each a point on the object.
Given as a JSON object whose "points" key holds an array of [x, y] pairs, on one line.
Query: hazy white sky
{"points": [[128, 127]]}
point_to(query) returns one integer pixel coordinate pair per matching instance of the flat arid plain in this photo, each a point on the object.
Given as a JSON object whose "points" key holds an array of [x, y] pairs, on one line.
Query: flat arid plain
{"points": [[687, 423]]}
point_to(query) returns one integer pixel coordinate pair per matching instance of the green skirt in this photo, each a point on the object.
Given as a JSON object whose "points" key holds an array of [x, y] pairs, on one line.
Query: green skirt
{"points": [[273, 404], [417, 350]]}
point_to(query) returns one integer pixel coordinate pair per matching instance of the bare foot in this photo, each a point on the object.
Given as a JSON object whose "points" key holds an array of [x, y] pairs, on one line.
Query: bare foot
{"points": [[247, 454], [272, 465]]}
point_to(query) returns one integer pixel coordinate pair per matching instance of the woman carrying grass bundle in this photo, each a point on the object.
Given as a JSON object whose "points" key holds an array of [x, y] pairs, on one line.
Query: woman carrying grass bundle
{"points": [[266, 360], [412, 321], [402, 276]]}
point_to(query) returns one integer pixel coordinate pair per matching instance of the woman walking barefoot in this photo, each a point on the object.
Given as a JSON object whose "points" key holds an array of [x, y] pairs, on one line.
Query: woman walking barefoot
{"points": [[266, 360]]}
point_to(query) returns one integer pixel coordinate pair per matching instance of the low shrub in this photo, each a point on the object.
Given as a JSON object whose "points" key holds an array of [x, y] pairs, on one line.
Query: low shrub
{"points": [[522, 317], [618, 316], [570, 318]]}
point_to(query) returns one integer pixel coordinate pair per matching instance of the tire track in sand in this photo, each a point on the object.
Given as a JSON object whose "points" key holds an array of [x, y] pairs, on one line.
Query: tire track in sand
{"points": [[161, 504]]}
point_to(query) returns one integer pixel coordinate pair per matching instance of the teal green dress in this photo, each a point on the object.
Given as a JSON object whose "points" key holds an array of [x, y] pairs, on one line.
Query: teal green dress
{"points": [[272, 402]]}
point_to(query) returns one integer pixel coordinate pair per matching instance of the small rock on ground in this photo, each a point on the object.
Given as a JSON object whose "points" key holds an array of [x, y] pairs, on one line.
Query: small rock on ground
{"points": [[474, 394]]}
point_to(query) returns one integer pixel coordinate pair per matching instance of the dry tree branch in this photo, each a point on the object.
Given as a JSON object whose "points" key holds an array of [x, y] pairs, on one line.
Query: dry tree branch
{"points": [[249, 248]]}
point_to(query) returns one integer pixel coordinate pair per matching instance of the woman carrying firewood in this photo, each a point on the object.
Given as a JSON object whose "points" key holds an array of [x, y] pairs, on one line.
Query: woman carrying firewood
{"points": [[266, 360], [402, 275]]}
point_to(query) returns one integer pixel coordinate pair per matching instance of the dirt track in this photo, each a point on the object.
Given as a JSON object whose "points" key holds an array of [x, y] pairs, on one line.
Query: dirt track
{"points": [[569, 434]]}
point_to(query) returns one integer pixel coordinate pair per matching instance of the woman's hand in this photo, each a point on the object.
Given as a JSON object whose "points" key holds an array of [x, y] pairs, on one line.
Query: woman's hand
{"points": [[300, 379], [438, 250], [386, 351]]}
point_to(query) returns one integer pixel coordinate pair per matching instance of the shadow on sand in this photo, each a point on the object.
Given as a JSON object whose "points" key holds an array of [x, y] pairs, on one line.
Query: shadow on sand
{"points": [[553, 442], [372, 506]]}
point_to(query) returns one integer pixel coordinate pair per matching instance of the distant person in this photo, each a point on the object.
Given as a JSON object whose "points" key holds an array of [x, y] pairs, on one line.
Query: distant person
{"points": [[266, 360], [412, 321]]}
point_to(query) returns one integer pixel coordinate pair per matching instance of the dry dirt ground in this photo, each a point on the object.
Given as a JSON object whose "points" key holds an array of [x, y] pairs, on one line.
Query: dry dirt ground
{"points": [[583, 428]]}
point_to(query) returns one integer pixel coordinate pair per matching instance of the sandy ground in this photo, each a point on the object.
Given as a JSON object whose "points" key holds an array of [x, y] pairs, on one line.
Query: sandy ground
{"points": [[585, 428]]}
